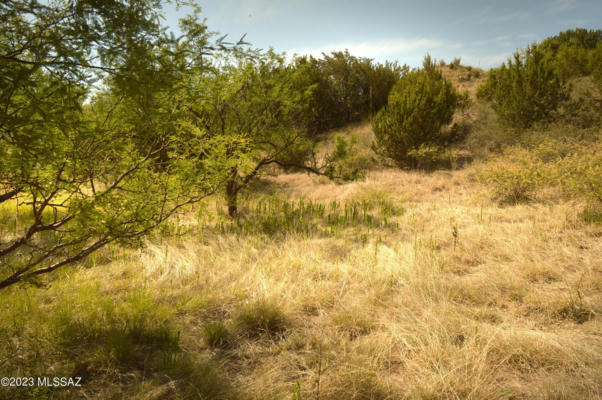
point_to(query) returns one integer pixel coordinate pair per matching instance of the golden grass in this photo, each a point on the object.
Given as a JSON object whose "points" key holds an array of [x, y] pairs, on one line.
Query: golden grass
{"points": [[507, 308]]}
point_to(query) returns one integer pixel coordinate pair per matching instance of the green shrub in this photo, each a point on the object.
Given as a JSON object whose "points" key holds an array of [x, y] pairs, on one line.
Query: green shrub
{"points": [[595, 64], [572, 51], [420, 105], [428, 157], [341, 88], [514, 183], [571, 61], [348, 163], [527, 90], [580, 173]]}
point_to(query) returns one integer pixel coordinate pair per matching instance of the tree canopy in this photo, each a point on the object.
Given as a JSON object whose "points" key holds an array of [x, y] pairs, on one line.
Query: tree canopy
{"points": [[90, 152]]}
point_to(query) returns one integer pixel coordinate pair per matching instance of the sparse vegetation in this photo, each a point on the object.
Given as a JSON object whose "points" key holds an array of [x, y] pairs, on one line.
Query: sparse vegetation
{"points": [[334, 274], [455, 63]]}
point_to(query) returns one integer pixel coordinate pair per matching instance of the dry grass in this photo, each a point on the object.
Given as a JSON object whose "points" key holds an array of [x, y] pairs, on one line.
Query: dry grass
{"points": [[507, 307]]}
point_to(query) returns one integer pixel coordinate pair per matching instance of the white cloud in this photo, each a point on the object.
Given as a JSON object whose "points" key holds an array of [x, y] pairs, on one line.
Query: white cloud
{"points": [[376, 48]]}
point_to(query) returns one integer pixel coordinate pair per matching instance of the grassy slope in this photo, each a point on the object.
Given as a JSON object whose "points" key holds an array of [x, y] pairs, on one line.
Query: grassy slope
{"points": [[404, 285]]}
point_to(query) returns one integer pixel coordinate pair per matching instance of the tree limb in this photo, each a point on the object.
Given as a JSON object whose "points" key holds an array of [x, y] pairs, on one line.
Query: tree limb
{"points": [[9, 195]]}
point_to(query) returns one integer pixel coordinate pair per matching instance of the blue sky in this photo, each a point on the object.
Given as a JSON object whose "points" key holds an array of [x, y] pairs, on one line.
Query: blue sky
{"points": [[483, 33]]}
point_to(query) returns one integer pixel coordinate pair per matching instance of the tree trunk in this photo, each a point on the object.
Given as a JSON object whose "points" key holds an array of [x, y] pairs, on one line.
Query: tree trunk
{"points": [[232, 188]]}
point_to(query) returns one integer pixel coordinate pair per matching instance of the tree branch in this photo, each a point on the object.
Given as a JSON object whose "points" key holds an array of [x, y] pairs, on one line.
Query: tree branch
{"points": [[9, 195]]}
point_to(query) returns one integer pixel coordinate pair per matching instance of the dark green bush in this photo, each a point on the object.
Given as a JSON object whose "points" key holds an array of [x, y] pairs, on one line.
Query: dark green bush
{"points": [[420, 105], [342, 88], [595, 65], [526, 90], [572, 51]]}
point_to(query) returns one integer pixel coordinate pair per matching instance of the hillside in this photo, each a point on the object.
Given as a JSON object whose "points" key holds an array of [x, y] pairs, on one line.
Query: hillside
{"points": [[465, 78]]}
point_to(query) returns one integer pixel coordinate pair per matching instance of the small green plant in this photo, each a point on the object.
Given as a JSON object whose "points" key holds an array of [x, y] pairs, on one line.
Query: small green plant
{"points": [[297, 391], [455, 235], [346, 163], [353, 322], [276, 217], [575, 308], [216, 334], [592, 213]]}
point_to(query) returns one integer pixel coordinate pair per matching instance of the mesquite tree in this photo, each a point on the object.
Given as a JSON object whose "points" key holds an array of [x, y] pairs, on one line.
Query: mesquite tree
{"points": [[96, 140], [254, 106]]}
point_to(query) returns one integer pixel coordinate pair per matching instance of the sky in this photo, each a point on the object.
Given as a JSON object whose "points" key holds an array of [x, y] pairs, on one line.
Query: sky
{"points": [[483, 33]]}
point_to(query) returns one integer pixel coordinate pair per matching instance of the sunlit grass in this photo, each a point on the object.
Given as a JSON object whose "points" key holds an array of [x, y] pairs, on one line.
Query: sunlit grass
{"points": [[404, 285]]}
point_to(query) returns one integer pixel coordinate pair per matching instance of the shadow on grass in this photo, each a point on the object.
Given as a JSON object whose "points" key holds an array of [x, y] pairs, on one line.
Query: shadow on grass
{"points": [[125, 348]]}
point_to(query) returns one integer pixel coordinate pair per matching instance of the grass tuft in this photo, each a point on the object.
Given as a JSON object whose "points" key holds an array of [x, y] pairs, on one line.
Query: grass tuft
{"points": [[216, 334], [262, 317]]}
